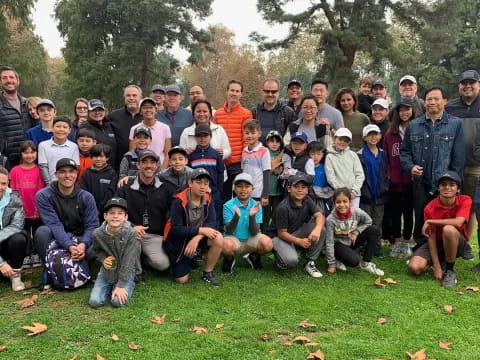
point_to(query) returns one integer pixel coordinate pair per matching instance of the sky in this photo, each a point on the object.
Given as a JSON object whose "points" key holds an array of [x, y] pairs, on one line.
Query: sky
{"points": [[239, 16]]}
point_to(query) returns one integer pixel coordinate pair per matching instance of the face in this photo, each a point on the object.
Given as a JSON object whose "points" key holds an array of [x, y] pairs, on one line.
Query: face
{"points": [[29, 156], [298, 146], [81, 109], [147, 167], [61, 130], [342, 204], [316, 156], [46, 112], [294, 92], [158, 96], [202, 114], [97, 114], [243, 190], [469, 89], [142, 141], [434, 102], [234, 93], [3, 184], [85, 143], [405, 113], [273, 144], [173, 99], [373, 138], [178, 162], [347, 102], [132, 97], [115, 216], [309, 109], [365, 89], [9, 81], [447, 188], [199, 187], [379, 114], [407, 88], [32, 111], [320, 91], [99, 161], [203, 140], [379, 92], [270, 93], [252, 136], [148, 110], [298, 191], [195, 93], [340, 143], [66, 176]]}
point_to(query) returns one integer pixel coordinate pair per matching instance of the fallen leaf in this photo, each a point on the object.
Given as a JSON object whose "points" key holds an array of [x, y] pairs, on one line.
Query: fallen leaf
{"points": [[159, 320], [133, 346], [389, 281], [445, 345], [264, 336], [219, 326], [75, 357], [449, 309], [115, 337], [199, 330], [459, 292], [273, 351], [47, 292], [472, 288], [301, 339], [305, 324], [25, 303], [37, 328], [316, 355], [288, 343], [28, 292], [28, 284], [419, 355], [100, 357], [3, 348], [175, 320], [378, 283], [382, 321], [311, 344]]}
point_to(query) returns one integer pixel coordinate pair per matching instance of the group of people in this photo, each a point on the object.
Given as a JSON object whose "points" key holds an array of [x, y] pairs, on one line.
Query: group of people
{"points": [[155, 185]]}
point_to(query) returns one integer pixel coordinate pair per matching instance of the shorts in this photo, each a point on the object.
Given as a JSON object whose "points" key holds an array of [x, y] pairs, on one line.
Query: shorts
{"points": [[245, 247], [182, 266], [424, 252]]}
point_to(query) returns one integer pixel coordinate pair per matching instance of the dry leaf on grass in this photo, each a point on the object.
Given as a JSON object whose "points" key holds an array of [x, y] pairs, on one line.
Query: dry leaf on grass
{"points": [[28, 284], [75, 357], [175, 320], [382, 321], [199, 330], [99, 357], [133, 346], [301, 340], [311, 344], [47, 292], [419, 355], [115, 338], [472, 288], [219, 326], [25, 303], [449, 309], [3, 348], [288, 343], [159, 320], [459, 292], [389, 281], [316, 355], [378, 283], [445, 345], [305, 324], [273, 351], [28, 292], [264, 337], [37, 328]]}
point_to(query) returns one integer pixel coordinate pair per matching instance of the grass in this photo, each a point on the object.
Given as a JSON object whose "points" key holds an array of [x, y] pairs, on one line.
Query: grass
{"points": [[344, 307]]}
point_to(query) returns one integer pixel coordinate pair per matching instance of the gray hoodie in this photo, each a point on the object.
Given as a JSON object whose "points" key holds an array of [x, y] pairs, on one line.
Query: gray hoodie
{"points": [[344, 169]]}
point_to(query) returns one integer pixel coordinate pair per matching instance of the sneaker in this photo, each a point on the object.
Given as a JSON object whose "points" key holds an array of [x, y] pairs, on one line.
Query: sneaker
{"points": [[406, 250], [27, 262], [340, 266], [371, 268], [254, 260], [16, 279], [468, 252], [476, 268], [35, 259], [228, 264], [449, 279], [312, 270], [211, 279], [397, 250]]}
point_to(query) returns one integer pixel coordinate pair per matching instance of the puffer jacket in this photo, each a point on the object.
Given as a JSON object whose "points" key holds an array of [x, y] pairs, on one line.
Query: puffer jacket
{"points": [[13, 218]]}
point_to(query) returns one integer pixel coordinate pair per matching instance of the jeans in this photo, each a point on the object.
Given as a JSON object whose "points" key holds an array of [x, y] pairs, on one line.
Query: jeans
{"points": [[102, 291], [421, 197]]}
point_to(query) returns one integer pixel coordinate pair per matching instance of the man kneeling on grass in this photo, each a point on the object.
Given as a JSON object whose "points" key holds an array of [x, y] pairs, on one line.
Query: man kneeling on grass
{"points": [[192, 228], [445, 227]]}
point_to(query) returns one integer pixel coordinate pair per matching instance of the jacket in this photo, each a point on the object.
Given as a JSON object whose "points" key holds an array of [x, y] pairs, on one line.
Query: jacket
{"points": [[13, 218], [400, 180], [101, 183], [85, 162], [284, 116], [178, 181], [210, 160], [320, 130], [103, 134], [381, 195], [128, 165], [343, 169]]}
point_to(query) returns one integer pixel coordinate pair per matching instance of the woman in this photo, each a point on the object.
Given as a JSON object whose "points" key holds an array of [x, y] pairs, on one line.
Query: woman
{"points": [[80, 110], [346, 101], [31, 104], [202, 114]]}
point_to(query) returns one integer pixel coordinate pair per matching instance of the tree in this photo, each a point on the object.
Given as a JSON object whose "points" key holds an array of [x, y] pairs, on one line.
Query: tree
{"points": [[13, 10]]}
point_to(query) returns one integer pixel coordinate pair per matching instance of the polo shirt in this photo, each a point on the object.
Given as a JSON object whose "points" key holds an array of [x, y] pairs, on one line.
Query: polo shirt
{"points": [[241, 232], [436, 211], [50, 152], [38, 134], [255, 162], [160, 133], [177, 121], [333, 115], [210, 160]]}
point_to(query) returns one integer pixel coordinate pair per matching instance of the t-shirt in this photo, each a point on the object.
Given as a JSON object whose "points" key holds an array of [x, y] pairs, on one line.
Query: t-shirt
{"points": [[255, 162], [38, 134], [241, 232], [27, 182], [50, 152], [160, 132], [267, 122], [333, 115], [355, 123], [290, 216], [309, 130]]}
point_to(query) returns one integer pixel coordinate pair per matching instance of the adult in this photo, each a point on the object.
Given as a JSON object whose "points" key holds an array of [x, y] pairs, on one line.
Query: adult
{"points": [[347, 102], [379, 91], [124, 118], [231, 117], [407, 87], [294, 95], [271, 113], [380, 117], [467, 108], [161, 136], [433, 144], [14, 120], [202, 114], [326, 114], [158, 94], [69, 213], [80, 114], [101, 127], [31, 104], [175, 116]]}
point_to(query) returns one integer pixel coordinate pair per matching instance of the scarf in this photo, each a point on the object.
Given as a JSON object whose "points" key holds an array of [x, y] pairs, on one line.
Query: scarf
{"points": [[344, 216]]}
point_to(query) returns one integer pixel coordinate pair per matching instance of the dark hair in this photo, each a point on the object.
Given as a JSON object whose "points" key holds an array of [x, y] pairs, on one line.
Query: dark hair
{"points": [[309, 97], [395, 119], [368, 80], [319, 81], [315, 146], [338, 97], [342, 191], [9, 68], [251, 125], [3, 170], [433, 88], [83, 132], [64, 119], [235, 82], [201, 101], [100, 149], [27, 144], [75, 106], [282, 145]]}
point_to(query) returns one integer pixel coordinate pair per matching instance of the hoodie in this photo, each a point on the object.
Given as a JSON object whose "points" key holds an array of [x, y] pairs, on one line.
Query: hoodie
{"points": [[343, 169], [178, 180], [101, 183]]}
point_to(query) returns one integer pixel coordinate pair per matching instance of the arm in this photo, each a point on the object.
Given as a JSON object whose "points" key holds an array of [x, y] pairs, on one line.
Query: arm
{"points": [[124, 166], [90, 217], [432, 247], [406, 156], [266, 185], [76, 155], [330, 173], [359, 175], [232, 225], [98, 251], [220, 173], [330, 245], [179, 227], [127, 261], [364, 221], [166, 149], [255, 218]]}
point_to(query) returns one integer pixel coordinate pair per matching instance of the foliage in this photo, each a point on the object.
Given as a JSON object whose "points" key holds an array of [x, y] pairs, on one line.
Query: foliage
{"points": [[13, 9]]}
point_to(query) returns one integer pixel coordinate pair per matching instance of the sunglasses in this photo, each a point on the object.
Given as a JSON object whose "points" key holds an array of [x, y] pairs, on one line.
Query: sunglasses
{"points": [[270, 91]]}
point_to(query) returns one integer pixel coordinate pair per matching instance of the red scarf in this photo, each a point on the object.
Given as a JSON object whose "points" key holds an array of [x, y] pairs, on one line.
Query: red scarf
{"points": [[344, 216]]}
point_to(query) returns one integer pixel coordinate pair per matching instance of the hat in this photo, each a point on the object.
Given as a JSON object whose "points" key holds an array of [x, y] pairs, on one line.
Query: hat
{"points": [[300, 135], [177, 150], [273, 133], [65, 162], [409, 78], [405, 101], [203, 129], [452, 175], [158, 87], [45, 102], [293, 82], [344, 132], [378, 83], [370, 128], [173, 88], [380, 102], [145, 100], [243, 177], [95, 104], [295, 179], [116, 202], [198, 173], [469, 75], [147, 153], [142, 130]]}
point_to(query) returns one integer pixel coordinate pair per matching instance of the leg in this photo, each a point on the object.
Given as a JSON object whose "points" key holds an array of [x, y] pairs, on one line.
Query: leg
{"points": [[345, 254], [155, 256], [407, 211], [369, 238], [313, 252], [264, 245], [42, 239], [214, 252], [285, 253], [356, 202], [129, 286], [14, 250], [101, 292], [451, 238], [421, 197], [421, 260], [393, 212], [470, 181]]}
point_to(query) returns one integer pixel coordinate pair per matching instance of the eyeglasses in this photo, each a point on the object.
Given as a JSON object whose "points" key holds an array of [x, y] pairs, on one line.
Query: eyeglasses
{"points": [[82, 108], [273, 92], [306, 108]]}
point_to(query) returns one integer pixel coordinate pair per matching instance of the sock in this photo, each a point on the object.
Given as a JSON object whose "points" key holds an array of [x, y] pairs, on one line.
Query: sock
{"points": [[449, 265]]}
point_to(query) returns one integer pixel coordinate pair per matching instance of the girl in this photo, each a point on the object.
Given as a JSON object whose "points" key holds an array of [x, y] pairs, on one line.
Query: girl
{"points": [[349, 228], [322, 192]]}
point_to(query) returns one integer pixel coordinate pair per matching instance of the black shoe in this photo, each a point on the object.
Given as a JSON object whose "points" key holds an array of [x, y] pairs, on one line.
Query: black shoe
{"points": [[228, 264], [476, 268], [468, 252], [211, 279], [255, 261], [194, 264], [139, 279]]}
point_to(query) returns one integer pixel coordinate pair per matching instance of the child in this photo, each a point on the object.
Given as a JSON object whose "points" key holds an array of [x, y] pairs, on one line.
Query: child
{"points": [[322, 192], [85, 142], [192, 227], [100, 179], [43, 131], [115, 245], [177, 172], [343, 167], [242, 217], [142, 138], [297, 224], [296, 157], [348, 228], [58, 147], [365, 98], [275, 146]]}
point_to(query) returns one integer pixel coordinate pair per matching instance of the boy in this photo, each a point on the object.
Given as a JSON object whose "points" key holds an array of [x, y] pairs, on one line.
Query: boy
{"points": [[343, 167], [58, 147], [43, 131], [446, 229], [322, 192], [192, 227], [85, 142], [297, 224], [116, 247], [365, 98], [242, 217], [100, 179], [177, 172], [256, 161], [142, 138]]}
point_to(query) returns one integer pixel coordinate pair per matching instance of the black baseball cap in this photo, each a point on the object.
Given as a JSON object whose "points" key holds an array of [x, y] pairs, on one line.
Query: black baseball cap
{"points": [[295, 179], [177, 150], [199, 173], [142, 130], [294, 82], [452, 175], [147, 153], [95, 104], [116, 202], [470, 75], [203, 129], [405, 101], [65, 162]]}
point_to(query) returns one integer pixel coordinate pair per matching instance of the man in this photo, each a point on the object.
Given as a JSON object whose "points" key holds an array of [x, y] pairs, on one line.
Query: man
{"points": [[379, 91], [433, 144], [294, 94], [407, 87], [231, 117], [271, 113], [176, 117], [14, 120], [379, 117], [326, 114], [69, 214], [158, 94], [124, 118], [196, 93], [467, 108], [445, 227]]}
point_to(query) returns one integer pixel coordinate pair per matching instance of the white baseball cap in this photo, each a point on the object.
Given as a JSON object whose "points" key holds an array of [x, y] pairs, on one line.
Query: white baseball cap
{"points": [[381, 102], [370, 128], [409, 78], [344, 132]]}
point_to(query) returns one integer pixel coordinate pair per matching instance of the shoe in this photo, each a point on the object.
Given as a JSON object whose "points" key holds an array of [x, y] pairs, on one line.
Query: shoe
{"points": [[16, 279], [27, 262], [228, 264], [449, 279], [139, 279], [406, 250], [35, 259], [211, 279], [194, 264], [397, 250], [378, 253], [312, 270], [468, 252], [254, 260], [340, 266], [371, 268], [476, 268]]}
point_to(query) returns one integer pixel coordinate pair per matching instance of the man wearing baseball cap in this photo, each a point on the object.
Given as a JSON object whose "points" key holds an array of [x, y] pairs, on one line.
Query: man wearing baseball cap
{"points": [[294, 95], [407, 87], [379, 91], [380, 116], [158, 94]]}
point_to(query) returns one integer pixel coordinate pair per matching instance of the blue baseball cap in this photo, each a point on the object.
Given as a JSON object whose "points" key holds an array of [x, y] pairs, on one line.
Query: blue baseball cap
{"points": [[300, 135], [452, 175]]}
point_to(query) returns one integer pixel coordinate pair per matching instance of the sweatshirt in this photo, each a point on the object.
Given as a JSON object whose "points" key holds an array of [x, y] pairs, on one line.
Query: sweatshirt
{"points": [[101, 183], [343, 169], [178, 180]]}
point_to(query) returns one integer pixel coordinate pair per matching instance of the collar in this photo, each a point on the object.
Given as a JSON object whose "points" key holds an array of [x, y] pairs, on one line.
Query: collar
{"points": [[439, 205], [59, 145], [344, 216], [256, 148], [152, 126], [136, 183], [442, 118], [241, 205]]}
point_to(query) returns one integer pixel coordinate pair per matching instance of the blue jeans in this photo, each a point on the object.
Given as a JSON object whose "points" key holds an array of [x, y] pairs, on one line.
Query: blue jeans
{"points": [[102, 291]]}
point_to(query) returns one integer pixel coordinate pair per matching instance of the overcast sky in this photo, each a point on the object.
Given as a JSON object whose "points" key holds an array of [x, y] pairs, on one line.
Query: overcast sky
{"points": [[240, 16]]}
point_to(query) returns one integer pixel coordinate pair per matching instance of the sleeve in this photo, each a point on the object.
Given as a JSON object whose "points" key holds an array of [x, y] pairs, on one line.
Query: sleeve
{"points": [[338, 122], [84, 181], [124, 165], [128, 259], [359, 175], [168, 132], [330, 173], [253, 226], [287, 137], [364, 220], [476, 142], [330, 243], [12, 177], [266, 184], [427, 214], [43, 163], [76, 155], [224, 143], [281, 218], [130, 133], [211, 220], [310, 167], [465, 206], [28, 135], [179, 228], [97, 250], [90, 217], [406, 157], [15, 226], [220, 172], [259, 216], [458, 151]]}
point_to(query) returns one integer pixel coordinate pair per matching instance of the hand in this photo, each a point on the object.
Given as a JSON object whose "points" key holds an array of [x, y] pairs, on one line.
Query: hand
{"points": [[208, 232], [122, 181], [189, 149], [332, 270], [426, 229], [220, 151], [254, 210], [121, 294], [191, 247], [438, 272], [314, 235], [417, 170], [6, 270], [237, 210], [264, 201], [108, 262], [352, 195], [353, 237], [304, 242], [141, 231], [324, 121]]}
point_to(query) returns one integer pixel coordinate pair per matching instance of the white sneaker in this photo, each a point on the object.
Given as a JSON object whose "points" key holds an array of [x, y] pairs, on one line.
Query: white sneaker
{"points": [[27, 262], [312, 270], [340, 266], [371, 268], [16, 279], [36, 262]]}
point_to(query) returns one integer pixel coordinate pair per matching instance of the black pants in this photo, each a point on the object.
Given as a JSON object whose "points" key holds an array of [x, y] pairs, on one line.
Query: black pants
{"points": [[14, 249], [401, 204], [369, 239], [31, 225], [273, 202], [232, 171], [421, 197]]}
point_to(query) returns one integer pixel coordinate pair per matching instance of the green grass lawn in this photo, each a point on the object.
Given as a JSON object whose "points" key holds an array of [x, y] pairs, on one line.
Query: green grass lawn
{"points": [[345, 308]]}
